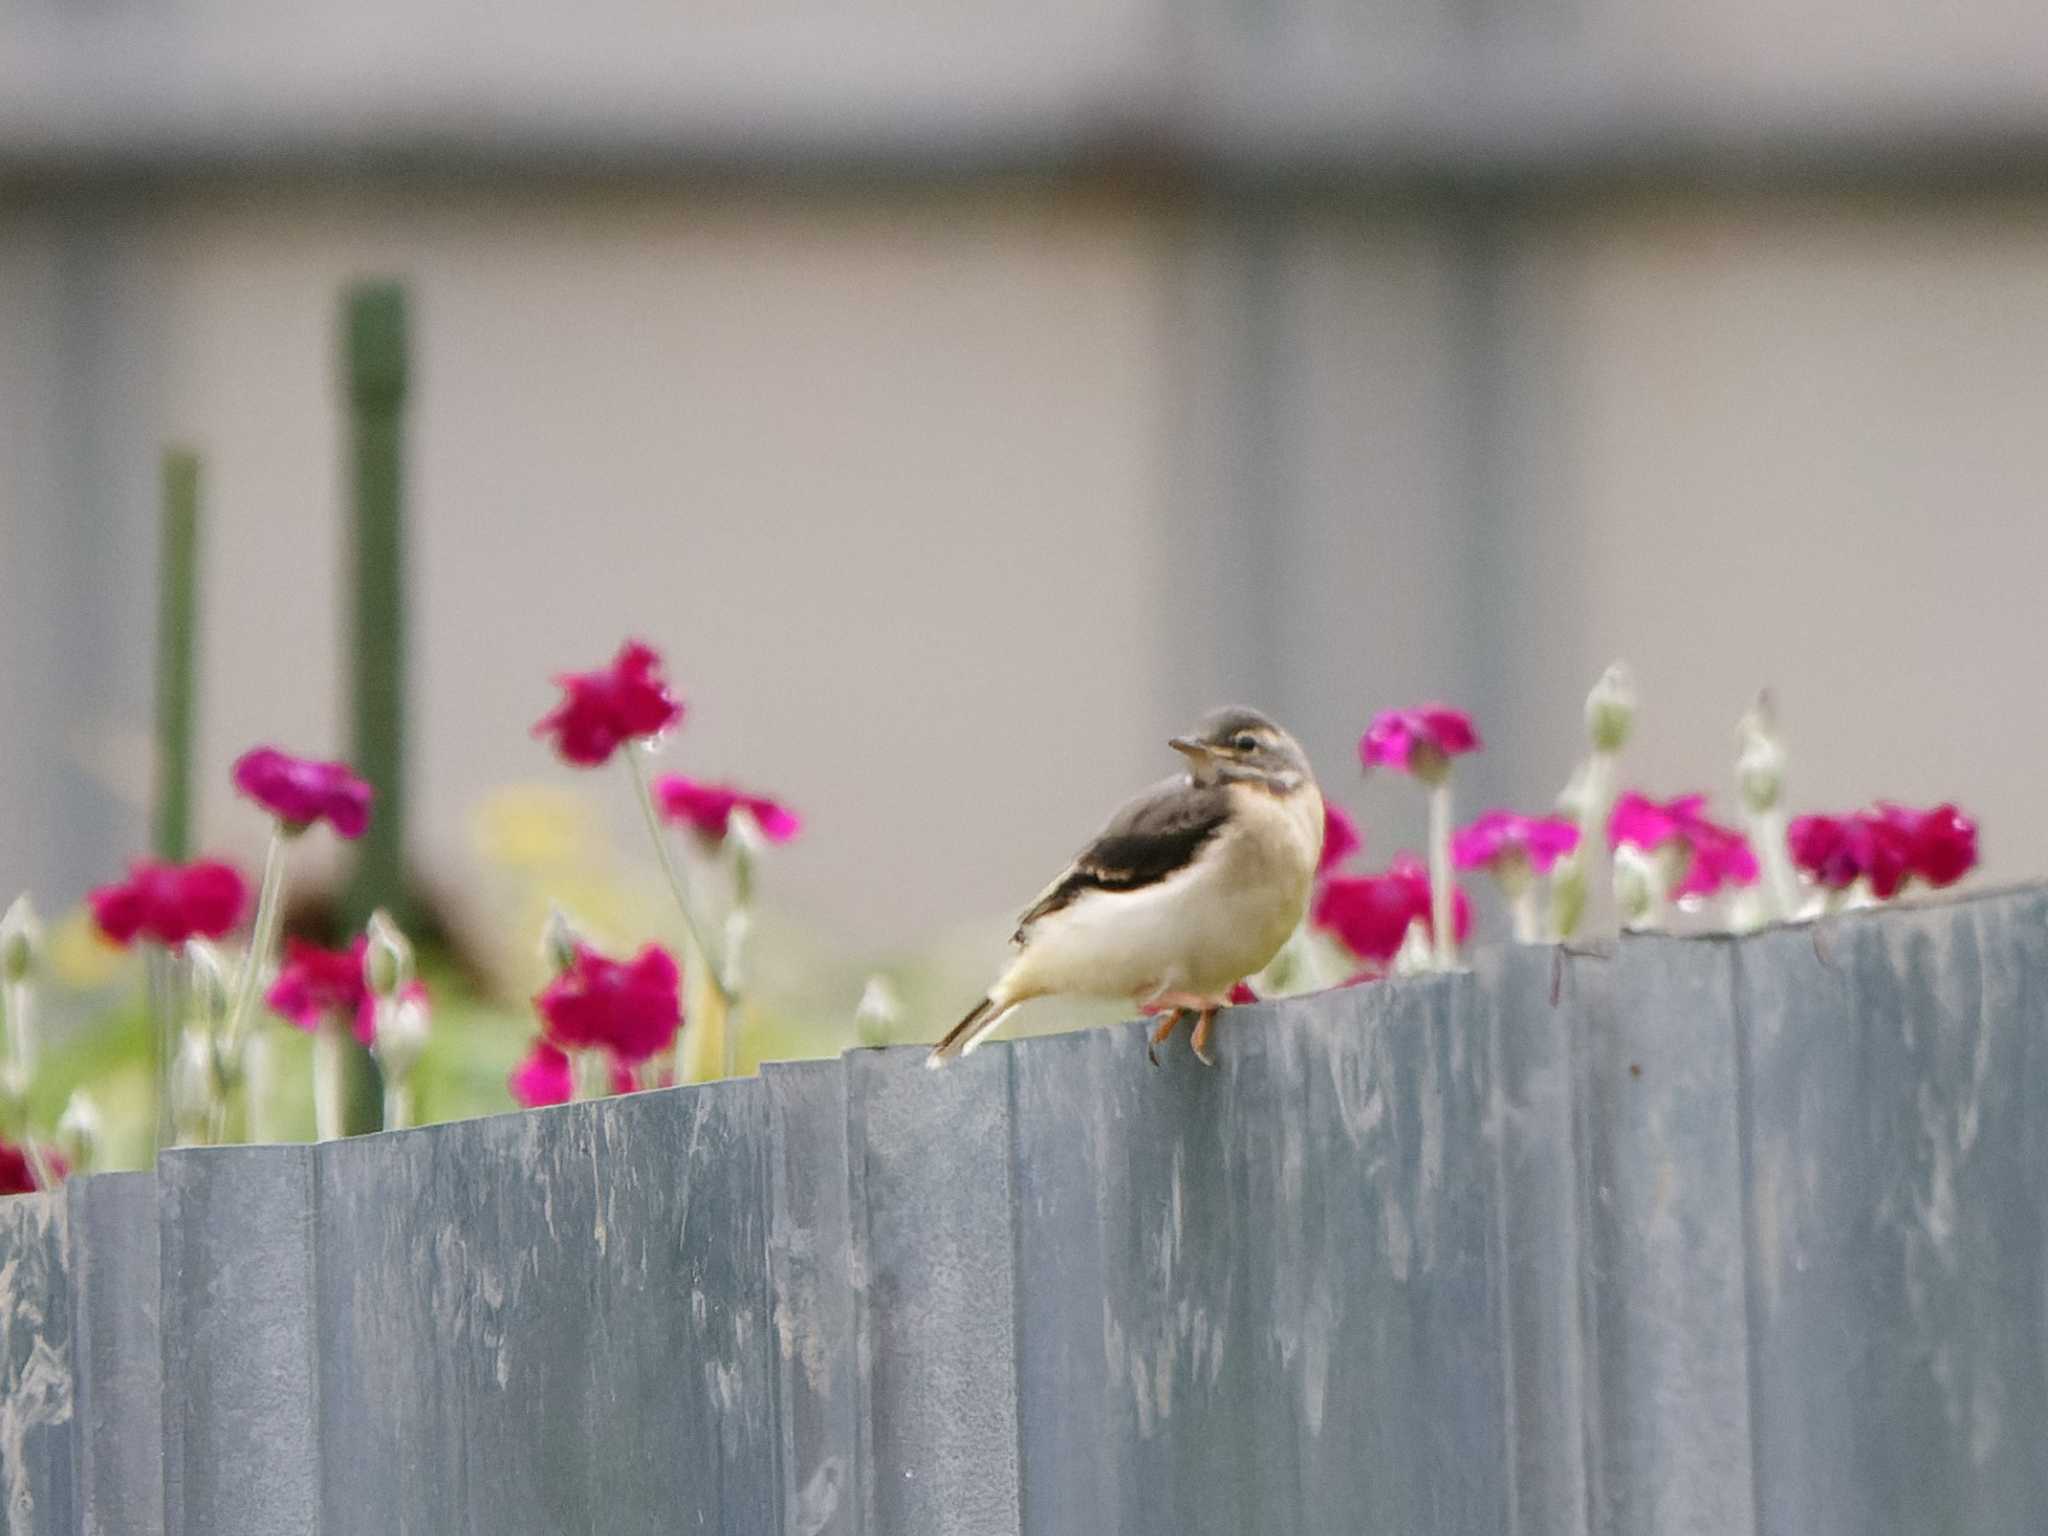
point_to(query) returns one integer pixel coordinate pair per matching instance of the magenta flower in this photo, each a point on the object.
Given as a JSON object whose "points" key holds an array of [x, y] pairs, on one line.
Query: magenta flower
{"points": [[543, 1077], [1944, 842], [1836, 851], [1372, 914], [315, 984], [1498, 835], [1341, 838], [707, 809], [1886, 846], [299, 791], [628, 1007], [170, 903], [1241, 993], [17, 1169], [602, 710], [1712, 855], [1418, 741]]}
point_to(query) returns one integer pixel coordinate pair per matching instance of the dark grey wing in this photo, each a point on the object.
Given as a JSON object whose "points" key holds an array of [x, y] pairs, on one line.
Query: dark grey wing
{"points": [[1153, 836]]}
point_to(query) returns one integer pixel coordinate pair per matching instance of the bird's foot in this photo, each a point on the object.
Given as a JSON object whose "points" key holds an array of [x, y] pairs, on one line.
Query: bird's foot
{"points": [[1159, 1035], [1205, 1020]]}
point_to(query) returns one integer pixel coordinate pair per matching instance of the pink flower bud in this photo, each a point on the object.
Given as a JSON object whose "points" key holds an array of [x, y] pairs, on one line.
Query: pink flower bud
{"points": [[299, 791], [1341, 838], [630, 1008], [707, 809], [1420, 742], [602, 710], [1706, 854], [170, 903], [1501, 835], [543, 1077], [1371, 914]]}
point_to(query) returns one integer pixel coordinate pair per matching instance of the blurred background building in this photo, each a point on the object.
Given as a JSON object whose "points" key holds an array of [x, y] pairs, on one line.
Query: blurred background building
{"points": [[964, 394]]}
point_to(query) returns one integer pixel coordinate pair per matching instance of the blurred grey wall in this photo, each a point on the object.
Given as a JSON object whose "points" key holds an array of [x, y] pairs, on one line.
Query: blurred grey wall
{"points": [[962, 395]]}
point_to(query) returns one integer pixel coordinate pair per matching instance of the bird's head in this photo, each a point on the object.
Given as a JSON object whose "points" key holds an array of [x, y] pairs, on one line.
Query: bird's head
{"points": [[1243, 746]]}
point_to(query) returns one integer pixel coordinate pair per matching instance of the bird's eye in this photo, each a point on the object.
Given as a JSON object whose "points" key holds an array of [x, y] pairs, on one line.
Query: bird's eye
{"points": [[1246, 743]]}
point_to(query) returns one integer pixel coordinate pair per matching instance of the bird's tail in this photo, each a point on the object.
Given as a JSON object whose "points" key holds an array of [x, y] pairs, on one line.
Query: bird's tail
{"points": [[963, 1037]]}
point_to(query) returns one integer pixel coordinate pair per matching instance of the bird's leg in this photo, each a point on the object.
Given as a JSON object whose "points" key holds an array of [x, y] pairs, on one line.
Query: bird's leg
{"points": [[1173, 1004], [1205, 1020], [1158, 1035]]}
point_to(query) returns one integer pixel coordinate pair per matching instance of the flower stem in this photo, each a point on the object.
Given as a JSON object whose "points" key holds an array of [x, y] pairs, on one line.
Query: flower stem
{"points": [[1442, 904], [677, 883], [17, 1066], [589, 1075], [1767, 832], [1524, 915], [397, 1104], [156, 994], [262, 940], [330, 1081], [739, 927], [253, 1094]]}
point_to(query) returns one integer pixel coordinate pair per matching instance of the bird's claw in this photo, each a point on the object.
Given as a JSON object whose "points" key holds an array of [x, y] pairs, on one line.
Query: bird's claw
{"points": [[1199, 1041], [1160, 1034]]}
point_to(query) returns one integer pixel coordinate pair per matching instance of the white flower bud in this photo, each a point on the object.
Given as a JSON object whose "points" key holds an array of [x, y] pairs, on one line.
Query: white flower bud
{"points": [[387, 959], [192, 1099], [1638, 882], [401, 1035], [880, 1012], [21, 941], [1611, 709], [1760, 764], [211, 985], [79, 1131], [558, 940]]}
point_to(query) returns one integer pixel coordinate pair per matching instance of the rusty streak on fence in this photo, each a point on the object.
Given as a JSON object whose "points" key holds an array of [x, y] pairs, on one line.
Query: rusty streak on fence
{"points": [[1701, 1237]]}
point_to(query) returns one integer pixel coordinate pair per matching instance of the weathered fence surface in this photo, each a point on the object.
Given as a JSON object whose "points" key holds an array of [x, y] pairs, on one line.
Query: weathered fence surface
{"points": [[1730, 1238]]}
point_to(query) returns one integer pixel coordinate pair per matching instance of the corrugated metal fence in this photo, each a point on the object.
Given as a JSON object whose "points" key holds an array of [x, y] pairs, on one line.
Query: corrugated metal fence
{"points": [[1702, 1236]]}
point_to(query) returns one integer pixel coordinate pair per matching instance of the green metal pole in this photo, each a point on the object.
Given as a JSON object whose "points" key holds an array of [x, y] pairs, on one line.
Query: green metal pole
{"points": [[374, 361], [176, 656], [375, 340]]}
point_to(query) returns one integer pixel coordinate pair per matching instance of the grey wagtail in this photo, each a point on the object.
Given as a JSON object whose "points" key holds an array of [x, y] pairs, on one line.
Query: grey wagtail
{"points": [[1193, 886]]}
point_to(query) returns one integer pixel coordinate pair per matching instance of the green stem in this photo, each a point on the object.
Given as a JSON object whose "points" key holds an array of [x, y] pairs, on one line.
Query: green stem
{"points": [[678, 885], [397, 1103], [1522, 910], [1442, 902], [176, 647], [156, 984], [262, 940], [739, 928], [1767, 833], [330, 1077]]}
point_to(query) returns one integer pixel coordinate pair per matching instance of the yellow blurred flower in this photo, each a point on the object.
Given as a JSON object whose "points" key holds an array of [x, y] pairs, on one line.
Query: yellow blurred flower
{"points": [[535, 827], [80, 956]]}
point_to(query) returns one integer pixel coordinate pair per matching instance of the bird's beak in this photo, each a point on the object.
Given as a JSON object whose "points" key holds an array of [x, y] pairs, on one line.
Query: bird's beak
{"points": [[1191, 748]]}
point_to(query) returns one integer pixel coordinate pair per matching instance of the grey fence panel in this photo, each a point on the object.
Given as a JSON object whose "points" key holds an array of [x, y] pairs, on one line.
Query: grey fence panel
{"points": [[552, 1322], [1539, 998], [119, 1409], [1899, 1099], [240, 1407], [1693, 1237], [1264, 1296], [1400, 1281], [38, 1429], [812, 1295], [928, 1158], [1669, 1398]]}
